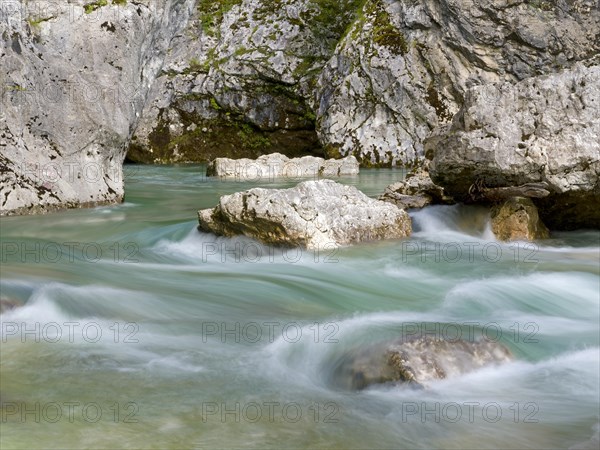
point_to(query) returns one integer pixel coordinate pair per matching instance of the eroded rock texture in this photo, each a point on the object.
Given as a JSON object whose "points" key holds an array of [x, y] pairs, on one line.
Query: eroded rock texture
{"points": [[74, 82], [417, 361], [365, 77], [417, 190], [542, 129], [314, 214], [84, 82], [276, 165], [518, 219]]}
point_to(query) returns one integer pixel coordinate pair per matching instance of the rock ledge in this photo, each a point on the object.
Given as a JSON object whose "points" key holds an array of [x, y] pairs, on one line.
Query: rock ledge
{"points": [[277, 165]]}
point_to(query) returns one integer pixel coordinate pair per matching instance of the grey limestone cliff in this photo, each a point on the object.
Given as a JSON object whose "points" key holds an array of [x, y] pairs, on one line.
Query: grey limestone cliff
{"points": [[543, 129], [74, 80], [87, 83], [370, 78]]}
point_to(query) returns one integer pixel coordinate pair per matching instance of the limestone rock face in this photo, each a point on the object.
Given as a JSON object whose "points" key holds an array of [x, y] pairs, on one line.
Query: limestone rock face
{"points": [[314, 215], [416, 191], [369, 78], [404, 67], [543, 129], [276, 165], [74, 80], [417, 361], [238, 80], [517, 219], [83, 83]]}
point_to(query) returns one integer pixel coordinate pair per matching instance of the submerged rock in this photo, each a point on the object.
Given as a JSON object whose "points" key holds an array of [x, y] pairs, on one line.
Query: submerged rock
{"points": [[276, 165], [314, 214], [416, 191], [518, 219], [543, 131], [417, 361], [7, 304]]}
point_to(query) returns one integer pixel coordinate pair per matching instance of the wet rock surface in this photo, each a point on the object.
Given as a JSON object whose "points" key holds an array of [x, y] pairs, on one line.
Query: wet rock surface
{"points": [[8, 304], [518, 219], [417, 361], [416, 191]]}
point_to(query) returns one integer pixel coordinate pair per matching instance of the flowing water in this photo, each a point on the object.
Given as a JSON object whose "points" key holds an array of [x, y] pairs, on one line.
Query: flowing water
{"points": [[139, 331]]}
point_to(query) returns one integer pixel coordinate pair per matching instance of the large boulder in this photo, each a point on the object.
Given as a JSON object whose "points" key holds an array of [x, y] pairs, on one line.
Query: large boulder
{"points": [[314, 214], [416, 360], [8, 304], [518, 219], [542, 130], [276, 165]]}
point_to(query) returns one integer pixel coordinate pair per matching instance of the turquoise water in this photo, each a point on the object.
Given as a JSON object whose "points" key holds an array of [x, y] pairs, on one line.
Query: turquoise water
{"points": [[143, 332]]}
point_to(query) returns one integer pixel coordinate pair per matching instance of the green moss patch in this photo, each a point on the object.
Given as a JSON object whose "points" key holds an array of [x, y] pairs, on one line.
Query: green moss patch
{"points": [[212, 12], [384, 33], [93, 6]]}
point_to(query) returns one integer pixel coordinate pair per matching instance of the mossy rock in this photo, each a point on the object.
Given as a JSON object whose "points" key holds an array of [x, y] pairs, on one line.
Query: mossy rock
{"points": [[229, 137]]}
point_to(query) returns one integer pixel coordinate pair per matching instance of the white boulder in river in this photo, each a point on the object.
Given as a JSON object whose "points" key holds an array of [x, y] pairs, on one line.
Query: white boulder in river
{"points": [[314, 214], [276, 165]]}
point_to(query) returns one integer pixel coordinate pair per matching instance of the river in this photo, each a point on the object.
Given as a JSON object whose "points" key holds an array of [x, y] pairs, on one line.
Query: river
{"points": [[139, 331]]}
